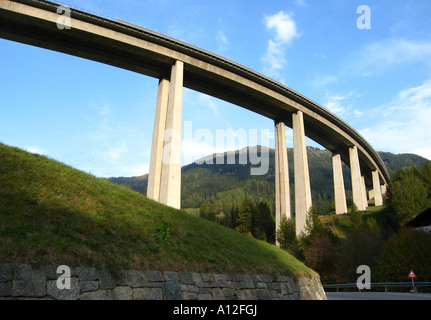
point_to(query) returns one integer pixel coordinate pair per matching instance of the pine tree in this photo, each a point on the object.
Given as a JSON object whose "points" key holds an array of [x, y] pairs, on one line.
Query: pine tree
{"points": [[245, 216]]}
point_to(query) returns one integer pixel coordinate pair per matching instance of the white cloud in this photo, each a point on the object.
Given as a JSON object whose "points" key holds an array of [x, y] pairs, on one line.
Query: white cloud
{"points": [[177, 33], [100, 118], [114, 153], [118, 145], [334, 105], [320, 81], [104, 110], [300, 3], [35, 149], [285, 31], [284, 26], [375, 59], [340, 106], [320, 56], [381, 55], [404, 125], [222, 41], [194, 149], [135, 170], [274, 58], [209, 102]]}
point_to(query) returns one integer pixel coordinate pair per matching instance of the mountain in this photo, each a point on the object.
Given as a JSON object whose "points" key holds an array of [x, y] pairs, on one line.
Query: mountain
{"points": [[226, 185]]}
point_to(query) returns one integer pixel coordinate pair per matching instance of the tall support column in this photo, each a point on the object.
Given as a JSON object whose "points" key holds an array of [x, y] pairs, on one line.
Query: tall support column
{"points": [[378, 198], [364, 192], [155, 173], [170, 187], [355, 170], [339, 191], [301, 173], [282, 191]]}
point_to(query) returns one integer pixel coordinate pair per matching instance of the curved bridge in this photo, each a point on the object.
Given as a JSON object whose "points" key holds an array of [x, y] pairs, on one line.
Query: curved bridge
{"points": [[179, 64]]}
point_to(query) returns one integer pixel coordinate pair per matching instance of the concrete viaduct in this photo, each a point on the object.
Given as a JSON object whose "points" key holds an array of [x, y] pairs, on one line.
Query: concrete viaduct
{"points": [[177, 64]]}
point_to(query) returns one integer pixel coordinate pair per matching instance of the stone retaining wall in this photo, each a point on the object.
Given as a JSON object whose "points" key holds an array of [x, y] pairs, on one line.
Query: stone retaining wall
{"points": [[24, 282]]}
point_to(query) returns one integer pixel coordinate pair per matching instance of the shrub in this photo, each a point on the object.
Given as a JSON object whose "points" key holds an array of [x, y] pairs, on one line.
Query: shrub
{"points": [[207, 211], [408, 250], [361, 246], [315, 228], [322, 256], [408, 194]]}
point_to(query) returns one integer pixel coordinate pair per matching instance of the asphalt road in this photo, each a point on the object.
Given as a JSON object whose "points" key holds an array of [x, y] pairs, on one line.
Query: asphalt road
{"points": [[377, 296]]}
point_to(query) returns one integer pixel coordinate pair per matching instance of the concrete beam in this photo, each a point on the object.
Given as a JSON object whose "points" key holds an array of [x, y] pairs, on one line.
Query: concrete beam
{"points": [[302, 177], [339, 190], [355, 169], [155, 173], [282, 190], [170, 188], [378, 198]]}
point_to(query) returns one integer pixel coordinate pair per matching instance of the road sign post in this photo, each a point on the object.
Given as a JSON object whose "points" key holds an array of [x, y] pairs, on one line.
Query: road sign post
{"points": [[412, 276]]}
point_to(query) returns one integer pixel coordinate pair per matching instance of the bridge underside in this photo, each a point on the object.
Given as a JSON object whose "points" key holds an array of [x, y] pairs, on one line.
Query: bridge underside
{"points": [[202, 73]]}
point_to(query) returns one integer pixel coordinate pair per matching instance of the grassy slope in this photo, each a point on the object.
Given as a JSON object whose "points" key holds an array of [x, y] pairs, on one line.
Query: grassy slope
{"points": [[53, 214], [340, 224]]}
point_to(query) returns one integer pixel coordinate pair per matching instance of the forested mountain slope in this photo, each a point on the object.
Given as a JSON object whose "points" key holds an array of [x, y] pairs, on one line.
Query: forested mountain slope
{"points": [[226, 185]]}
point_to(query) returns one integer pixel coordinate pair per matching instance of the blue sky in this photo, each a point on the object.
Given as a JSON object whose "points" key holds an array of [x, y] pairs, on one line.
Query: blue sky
{"points": [[99, 118]]}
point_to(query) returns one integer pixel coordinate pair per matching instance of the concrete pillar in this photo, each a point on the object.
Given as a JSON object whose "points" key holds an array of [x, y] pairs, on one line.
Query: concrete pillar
{"points": [[355, 170], [371, 194], [301, 173], [282, 191], [364, 192], [170, 187], [339, 190], [155, 174], [378, 198]]}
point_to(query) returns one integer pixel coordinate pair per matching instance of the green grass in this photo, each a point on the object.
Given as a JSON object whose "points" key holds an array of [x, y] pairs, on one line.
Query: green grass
{"points": [[53, 214], [341, 224]]}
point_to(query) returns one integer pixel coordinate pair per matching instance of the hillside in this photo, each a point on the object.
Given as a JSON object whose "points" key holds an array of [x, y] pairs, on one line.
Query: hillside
{"points": [[53, 214], [225, 185]]}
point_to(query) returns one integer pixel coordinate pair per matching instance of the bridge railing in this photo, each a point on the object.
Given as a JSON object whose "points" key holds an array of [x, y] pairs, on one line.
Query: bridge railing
{"points": [[384, 285]]}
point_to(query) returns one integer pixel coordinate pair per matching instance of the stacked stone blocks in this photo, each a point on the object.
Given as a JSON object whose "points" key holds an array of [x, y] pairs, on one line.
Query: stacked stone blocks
{"points": [[30, 282]]}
